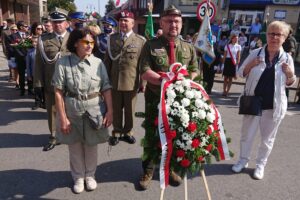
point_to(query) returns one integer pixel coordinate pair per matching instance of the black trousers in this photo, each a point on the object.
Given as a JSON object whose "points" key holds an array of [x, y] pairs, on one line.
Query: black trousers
{"points": [[21, 66], [208, 77]]}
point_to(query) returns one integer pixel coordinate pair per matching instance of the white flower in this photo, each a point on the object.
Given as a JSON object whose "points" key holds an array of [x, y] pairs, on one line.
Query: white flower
{"points": [[197, 94], [174, 112], [184, 118], [170, 101], [186, 83], [189, 142], [194, 114], [201, 114], [180, 129], [181, 145], [185, 102], [185, 124], [178, 142], [178, 82], [189, 94], [199, 103], [168, 109], [176, 104], [185, 136], [179, 159], [171, 94], [210, 117]]}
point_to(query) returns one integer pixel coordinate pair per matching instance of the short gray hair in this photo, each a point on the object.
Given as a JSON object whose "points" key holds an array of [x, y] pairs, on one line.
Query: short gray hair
{"points": [[285, 27]]}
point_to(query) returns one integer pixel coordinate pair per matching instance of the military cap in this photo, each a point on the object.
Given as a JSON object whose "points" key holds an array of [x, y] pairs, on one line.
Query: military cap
{"points": [[109, 20], [58, 15], [171, 10], [78, 15], [125, 14]]}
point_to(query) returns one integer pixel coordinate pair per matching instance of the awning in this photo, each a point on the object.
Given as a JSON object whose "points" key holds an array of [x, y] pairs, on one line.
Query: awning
{"points": [[183, 15]]}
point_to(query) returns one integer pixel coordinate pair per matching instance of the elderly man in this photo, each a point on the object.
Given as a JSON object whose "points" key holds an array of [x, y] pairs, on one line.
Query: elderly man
{"points": [[156, 56], [121, 60], [51, 47]]}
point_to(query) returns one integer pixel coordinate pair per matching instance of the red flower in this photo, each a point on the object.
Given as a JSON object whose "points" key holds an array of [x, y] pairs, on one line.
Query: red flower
{"points": [[180, 153], [172, 134], [185, 163], [156, 121], [192, 127], [200, 158], [209, 147], [195, 143], [209, 130]]}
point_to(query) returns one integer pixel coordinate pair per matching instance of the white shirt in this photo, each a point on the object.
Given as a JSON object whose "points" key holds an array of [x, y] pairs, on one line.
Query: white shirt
{"points": [[280, 100], [234, 50]]}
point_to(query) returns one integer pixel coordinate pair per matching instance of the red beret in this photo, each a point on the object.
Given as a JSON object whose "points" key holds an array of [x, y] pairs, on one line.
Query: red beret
{"points": [[126, 14]]}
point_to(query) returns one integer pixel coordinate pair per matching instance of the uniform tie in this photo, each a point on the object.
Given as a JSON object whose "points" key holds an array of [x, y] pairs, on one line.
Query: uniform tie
{"points": [[60, 39], [171, 52]]}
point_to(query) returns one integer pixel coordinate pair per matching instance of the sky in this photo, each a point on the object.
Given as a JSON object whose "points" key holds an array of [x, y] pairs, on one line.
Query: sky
{"points": [[93, 5]]}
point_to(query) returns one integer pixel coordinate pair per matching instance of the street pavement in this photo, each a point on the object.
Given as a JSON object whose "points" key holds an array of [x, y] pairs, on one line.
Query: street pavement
{"points": [[26, 172]]}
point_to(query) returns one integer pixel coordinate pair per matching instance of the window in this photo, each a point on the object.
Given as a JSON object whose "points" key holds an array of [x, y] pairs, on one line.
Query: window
{"points": [[189, 2]]}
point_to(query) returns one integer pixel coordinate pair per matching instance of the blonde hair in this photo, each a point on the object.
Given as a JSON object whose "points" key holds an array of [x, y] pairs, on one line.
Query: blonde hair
{"points": [[280, 25], [94, 28]]}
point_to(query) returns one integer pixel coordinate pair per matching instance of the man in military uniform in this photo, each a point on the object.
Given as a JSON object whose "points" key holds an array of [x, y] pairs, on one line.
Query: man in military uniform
{"points": [[121, 60], [156, 56], [51, 46], [108, 24]]}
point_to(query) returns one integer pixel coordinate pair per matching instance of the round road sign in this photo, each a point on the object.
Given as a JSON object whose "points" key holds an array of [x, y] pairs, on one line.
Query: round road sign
{"points": [[201, 10]]}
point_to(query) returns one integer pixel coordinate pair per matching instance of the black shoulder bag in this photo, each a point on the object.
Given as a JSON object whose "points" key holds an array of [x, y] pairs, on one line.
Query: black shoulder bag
{"points": [[250, 105]]}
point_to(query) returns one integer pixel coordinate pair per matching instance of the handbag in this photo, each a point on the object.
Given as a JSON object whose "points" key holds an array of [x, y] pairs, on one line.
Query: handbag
{"points": [[95, 117], [250, 105]]}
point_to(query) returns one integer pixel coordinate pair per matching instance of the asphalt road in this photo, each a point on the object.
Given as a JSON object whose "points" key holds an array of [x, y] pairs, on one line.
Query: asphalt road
{"points": [[26, 172]]}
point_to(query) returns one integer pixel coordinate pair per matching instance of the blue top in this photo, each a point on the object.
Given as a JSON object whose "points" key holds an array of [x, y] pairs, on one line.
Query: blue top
{"points": [[255, 28], [30, 60]]}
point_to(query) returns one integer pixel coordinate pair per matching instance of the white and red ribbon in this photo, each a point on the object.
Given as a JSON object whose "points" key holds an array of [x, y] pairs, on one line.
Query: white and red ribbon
{"points": [[177, 72]]}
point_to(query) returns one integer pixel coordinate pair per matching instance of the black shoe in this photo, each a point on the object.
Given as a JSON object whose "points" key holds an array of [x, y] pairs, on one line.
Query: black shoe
{"points": [[30, 92], [43, 105], [113, 141], [49, 146], [129, 139], [17, 86], [35, 107], [22, 93]]}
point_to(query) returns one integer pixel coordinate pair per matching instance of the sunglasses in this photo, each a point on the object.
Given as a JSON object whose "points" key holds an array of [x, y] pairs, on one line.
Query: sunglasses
{"points": [[86, 42], [39, 28]]}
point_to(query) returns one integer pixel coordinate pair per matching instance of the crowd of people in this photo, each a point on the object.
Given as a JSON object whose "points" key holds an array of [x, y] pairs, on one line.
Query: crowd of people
{"points": [[88, 78]]}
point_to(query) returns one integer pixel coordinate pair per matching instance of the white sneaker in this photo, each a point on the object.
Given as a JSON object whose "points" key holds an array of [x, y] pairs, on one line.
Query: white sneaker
{"points": [[91, 183], [78, 185], [259, 172], [239, 166]]}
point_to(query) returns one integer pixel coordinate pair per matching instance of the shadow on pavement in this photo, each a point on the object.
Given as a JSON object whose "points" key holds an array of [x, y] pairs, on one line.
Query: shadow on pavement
{"points": [[31, 184], [20, 140], [120, 171]]}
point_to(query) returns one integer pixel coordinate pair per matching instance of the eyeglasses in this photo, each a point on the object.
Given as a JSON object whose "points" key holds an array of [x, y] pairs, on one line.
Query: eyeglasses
{"points": [[86, 42], [39, 29], [275, 35]]}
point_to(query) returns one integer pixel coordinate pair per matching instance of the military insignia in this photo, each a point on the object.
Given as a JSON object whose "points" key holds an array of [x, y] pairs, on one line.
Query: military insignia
{"points": [[160, 60], [123, 14], [159, 50], [200, 43]]}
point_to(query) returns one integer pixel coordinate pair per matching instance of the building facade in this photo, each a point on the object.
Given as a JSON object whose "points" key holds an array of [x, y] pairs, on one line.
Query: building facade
{"points": [[244, 11], [26, 10]]}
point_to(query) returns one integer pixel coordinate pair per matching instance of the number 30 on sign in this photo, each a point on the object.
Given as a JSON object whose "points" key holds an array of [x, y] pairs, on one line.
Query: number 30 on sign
{"points": [[201, 10]]}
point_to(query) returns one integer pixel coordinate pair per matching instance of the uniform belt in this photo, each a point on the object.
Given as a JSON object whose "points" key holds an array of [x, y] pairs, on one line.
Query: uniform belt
{"points": [[83, 97]]}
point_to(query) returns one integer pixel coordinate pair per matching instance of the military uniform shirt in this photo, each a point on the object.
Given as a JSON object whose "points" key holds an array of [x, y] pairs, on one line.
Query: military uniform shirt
{"points": [[154, 56]]}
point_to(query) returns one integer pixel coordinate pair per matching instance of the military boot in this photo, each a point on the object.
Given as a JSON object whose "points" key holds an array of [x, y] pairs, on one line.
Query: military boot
{"points": [[146, 180], [175, 179]]}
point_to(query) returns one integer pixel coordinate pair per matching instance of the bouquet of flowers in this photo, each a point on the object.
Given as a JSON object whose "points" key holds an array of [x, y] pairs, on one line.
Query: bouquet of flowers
{"points": [[189, 127], [25, 43]]}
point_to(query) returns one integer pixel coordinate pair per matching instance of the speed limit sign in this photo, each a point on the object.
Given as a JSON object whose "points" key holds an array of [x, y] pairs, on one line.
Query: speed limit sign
{"points": [[201, 10]]}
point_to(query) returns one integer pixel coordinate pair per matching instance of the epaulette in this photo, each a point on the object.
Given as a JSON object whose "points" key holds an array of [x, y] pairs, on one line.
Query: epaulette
{"points": [[141, 37]]}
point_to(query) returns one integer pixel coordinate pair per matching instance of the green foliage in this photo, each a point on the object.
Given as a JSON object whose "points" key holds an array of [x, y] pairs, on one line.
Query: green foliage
{"points": [[68, 5], [110, 6]]}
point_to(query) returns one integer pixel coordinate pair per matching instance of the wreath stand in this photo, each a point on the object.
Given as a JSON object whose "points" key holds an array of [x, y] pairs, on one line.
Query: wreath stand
{"points": [[185, 187]]}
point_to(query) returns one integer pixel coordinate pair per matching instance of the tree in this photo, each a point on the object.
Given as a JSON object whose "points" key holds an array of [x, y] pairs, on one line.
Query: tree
{"points": [[110, 6], [68, 5]]}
